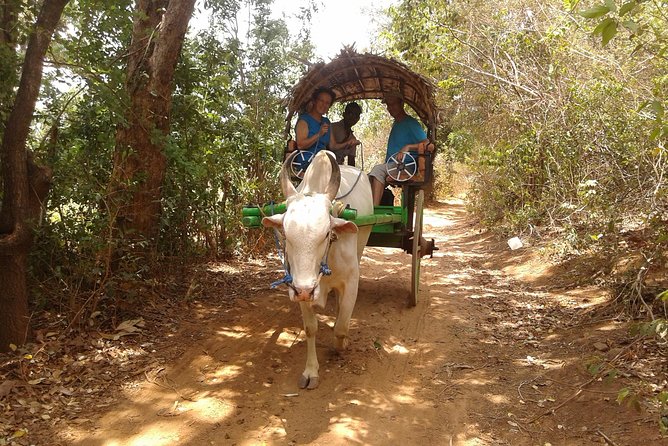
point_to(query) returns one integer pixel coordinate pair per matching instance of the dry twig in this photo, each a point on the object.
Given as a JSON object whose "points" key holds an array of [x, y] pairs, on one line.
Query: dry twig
{"points": [[606, 438], [581, 387]]}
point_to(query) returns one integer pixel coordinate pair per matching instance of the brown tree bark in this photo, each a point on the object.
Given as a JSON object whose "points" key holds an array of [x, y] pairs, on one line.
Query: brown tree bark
{"points": [[25, 183], [139, 160], [8, 75]]}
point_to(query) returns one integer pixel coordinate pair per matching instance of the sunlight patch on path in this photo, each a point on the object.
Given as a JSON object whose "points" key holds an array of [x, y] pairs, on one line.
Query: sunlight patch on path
{"points": [[349, 428]]}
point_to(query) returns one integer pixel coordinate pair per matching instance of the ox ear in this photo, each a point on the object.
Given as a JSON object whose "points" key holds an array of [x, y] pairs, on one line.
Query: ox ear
{"points": [[275, 221], [340, 225]]}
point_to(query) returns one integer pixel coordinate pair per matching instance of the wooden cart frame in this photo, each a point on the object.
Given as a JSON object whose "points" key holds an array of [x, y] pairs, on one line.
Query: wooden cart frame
{"points": [[366, 76]]}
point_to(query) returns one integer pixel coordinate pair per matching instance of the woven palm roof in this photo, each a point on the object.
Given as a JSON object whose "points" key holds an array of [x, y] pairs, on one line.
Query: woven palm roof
{"points": [[365, 76]]}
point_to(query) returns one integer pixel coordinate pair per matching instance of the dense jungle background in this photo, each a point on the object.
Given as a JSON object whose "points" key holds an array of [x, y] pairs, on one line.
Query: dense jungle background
{"points": [[132, 132]]}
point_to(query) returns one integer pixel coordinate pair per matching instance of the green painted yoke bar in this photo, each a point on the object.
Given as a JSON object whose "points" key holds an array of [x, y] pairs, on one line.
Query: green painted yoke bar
{"points": [[267, 209], [279, 208], [377, 219], [255, 221], [251, 221], [252, 215]]}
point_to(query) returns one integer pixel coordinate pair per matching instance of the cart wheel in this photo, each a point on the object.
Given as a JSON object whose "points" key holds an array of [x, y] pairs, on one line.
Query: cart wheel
{"points": [[300, 162], [417, 235], [401, 170]]}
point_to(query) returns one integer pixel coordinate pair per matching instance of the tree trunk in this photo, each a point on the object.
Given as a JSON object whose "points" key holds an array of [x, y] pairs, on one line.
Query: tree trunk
{"points": [[8, 68], [139, 159], [25, 183]]}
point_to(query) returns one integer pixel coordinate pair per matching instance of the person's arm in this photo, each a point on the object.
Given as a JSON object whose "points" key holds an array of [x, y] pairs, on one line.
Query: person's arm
{"points": [[342, 145], [337, 145], [419, 147], [334, 143], [352, 140], [418, 134], [301, 135]]}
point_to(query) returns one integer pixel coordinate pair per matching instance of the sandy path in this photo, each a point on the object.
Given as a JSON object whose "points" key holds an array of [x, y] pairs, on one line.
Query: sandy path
{"points": [[479, 357]]}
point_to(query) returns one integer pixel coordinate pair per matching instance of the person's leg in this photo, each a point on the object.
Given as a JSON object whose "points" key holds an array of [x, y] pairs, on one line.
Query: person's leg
{"points": [[351, 160], [423, 149], [377, 176], [376, 190], [421, 163]]}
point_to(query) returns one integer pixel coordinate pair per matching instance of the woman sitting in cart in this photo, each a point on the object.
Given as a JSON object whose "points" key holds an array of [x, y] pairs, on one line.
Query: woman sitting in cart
{"points": [[407, 135], [312, 130]]}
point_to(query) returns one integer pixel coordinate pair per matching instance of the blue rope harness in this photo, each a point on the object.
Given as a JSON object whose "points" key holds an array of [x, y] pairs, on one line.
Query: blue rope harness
{"points": [[324, 268], [287, 278]]}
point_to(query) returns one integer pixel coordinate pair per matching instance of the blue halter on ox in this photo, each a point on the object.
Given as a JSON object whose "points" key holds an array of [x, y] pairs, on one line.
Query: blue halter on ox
{"points": [[280, 246]]}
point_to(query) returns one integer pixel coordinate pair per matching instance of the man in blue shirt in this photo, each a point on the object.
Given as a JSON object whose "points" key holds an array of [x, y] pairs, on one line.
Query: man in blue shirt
{"points": [[406, 135]]}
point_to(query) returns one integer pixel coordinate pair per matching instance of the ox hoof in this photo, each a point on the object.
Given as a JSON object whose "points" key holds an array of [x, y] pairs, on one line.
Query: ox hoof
{"points": [[342, 343], [308, 383]]}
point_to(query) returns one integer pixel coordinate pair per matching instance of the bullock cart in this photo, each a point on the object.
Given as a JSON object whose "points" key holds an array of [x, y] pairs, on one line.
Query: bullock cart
{"points": [[355, 76]]}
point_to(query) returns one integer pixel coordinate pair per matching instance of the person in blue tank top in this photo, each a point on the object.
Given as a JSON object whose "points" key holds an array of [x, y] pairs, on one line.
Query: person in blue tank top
{"points": [[407, 135], [312, 129]]}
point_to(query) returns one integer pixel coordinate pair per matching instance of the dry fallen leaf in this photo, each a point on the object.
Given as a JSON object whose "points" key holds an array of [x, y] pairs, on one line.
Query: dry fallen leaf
{"points": [[131, 325], [125, 328], [6, 387], [19, 433]]}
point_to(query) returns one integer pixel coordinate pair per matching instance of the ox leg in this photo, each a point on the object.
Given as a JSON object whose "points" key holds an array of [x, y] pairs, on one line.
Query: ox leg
{"points": [[347, 298], [309, 378]]}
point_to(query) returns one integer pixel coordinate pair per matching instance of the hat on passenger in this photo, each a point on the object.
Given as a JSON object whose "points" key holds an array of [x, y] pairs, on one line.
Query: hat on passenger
{"points": [[392, 94]]}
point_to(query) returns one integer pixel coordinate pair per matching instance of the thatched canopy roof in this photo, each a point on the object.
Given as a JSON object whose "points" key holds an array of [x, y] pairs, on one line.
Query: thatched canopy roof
{"points": [[365, 76]]}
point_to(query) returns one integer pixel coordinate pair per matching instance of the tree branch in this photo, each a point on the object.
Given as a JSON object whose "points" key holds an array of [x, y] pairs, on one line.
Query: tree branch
{"points": [[498, 78]]}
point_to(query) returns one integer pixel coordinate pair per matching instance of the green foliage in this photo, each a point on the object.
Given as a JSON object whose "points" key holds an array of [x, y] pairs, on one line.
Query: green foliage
{"points": [[633, 399], [596, 11], [646, 24], [557, 130], [230, 144], [630, 398], [657, 328], [223, 151], [662, 402]]}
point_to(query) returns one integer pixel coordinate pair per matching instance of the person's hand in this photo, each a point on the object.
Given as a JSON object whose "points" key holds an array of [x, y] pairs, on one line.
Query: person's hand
{"points": [[400, 156], [323, 130], [354, 142]]}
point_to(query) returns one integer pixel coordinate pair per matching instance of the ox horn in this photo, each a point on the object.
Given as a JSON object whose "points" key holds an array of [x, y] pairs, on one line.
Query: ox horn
{"points": [[334, 180], [286, 185]]}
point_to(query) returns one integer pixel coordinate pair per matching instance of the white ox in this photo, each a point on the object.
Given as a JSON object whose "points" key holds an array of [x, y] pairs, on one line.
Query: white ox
{"points": [[313, 235]]}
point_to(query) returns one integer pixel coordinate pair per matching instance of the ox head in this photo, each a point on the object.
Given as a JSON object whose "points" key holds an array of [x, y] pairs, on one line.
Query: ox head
{"points": [[308, 225]]}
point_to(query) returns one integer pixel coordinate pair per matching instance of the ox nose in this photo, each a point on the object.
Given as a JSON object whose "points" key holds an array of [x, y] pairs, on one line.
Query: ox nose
{"points": [[304, 294]]}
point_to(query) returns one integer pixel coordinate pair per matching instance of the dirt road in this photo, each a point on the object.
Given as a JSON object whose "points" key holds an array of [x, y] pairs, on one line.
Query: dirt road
{"points": [[492, 355]]}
